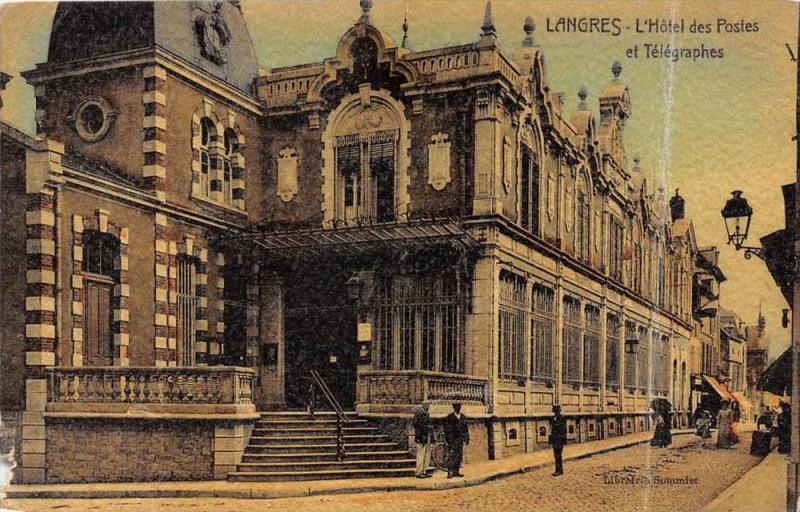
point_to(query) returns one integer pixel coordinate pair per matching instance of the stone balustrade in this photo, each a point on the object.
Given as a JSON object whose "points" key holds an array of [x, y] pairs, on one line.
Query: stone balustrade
{"points": [[223, 385], [410, 387]]}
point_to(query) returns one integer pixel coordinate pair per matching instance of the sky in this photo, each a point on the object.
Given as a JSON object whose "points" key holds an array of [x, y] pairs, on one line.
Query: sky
{"points": [[705, 126]]}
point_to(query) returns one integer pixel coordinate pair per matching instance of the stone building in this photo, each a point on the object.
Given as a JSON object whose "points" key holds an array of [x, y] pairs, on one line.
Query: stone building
{"points": [[438, 225]]}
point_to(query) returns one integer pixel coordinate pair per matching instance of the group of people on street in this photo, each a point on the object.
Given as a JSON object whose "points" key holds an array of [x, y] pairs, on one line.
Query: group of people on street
{"points": [[456, 436]]}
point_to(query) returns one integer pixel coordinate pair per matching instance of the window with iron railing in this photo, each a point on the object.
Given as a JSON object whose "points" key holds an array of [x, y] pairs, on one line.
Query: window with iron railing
{"points": [[612, 351], [571, 354], [187, 301], [630, 358], [419, 323], [591, 346], [513, 311], [543, 334], [642, 356]]}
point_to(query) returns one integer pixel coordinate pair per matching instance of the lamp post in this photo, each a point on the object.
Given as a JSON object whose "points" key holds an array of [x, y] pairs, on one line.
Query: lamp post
{"points": [[737, 215]]}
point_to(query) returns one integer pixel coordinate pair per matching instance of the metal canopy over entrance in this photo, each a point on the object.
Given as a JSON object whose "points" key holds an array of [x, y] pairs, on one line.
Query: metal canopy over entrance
{"points": [[360, 239]]}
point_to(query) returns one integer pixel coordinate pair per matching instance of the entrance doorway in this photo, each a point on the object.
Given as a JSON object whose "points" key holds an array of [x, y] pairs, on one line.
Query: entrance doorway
{"points": [[320, 334]]}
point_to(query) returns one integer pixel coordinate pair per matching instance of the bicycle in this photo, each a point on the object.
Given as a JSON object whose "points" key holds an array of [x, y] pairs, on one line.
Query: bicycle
{"points": [[439, 451]]}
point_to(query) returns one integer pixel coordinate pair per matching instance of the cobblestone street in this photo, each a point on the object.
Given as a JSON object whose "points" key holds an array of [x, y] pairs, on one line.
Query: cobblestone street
{"points": [[684, 477]]}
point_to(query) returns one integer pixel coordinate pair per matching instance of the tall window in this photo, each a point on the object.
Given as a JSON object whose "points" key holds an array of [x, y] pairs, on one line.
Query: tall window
{"points": [[419, 318], [582, 227], [513, 311], [630, 359], [657, 367], [612, 351], [227, 169], [641, 359], [100, 252], [571, 356], [235, 297], [543, 334], [206, 132], [187, 310], [365, 167], [529, 191], [591, 346], [615, 248]]}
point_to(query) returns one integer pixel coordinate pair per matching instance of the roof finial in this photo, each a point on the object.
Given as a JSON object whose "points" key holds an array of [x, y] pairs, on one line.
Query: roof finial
{"points": [[528, 27], [366, 7], [616, 69], [488, 21], [405, 31], [583, 94]]}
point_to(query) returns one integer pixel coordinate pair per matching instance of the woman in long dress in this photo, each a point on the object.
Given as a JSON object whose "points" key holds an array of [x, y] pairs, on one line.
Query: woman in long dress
{"points": [[725, 424]]}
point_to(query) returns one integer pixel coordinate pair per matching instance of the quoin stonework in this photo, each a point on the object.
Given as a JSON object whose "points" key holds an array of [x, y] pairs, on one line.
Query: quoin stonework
{"points": [[188, 235]]}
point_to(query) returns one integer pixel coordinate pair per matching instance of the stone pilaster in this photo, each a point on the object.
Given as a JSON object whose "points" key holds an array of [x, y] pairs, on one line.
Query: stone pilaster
{"points": [[216, 346], [155, 130], [40, 302], [172, 303], [162, 352], [201, 316], [253, 301]]}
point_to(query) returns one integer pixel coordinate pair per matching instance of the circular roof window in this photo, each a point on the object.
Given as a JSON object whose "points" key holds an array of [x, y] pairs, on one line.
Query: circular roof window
{"points": [[93, 119]]}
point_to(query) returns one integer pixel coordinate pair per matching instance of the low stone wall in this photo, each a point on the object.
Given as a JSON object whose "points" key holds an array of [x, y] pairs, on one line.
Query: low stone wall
{"points": [[88, 450], [92, 450]]}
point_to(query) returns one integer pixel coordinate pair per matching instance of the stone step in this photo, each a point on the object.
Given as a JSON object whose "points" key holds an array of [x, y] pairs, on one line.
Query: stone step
{"points": [[347, 464], [278, 476], [315, 439], [312, 431], [304, 416], [312, 448], [325, 456], [351, 422]]}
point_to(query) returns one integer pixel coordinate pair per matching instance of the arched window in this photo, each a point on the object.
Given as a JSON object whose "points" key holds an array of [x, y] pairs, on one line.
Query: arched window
{"points": [[529, 190], [207, 131]]}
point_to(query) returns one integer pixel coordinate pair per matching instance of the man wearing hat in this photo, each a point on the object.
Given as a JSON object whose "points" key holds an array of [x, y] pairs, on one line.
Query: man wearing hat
{"points": [[423, 434], [558, 438], [456, 434]]}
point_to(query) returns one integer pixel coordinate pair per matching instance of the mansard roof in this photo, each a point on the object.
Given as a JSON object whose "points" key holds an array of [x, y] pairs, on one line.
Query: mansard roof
{"points": [[209, 35]]}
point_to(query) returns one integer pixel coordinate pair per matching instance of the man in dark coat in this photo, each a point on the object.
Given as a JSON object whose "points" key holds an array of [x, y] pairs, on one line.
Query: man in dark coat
{"points": [[558, 438], [456, 434], [423, 436]]}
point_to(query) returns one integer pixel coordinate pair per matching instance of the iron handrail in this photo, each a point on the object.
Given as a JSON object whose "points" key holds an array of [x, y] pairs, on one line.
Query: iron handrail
{"points": [[341, 418]]}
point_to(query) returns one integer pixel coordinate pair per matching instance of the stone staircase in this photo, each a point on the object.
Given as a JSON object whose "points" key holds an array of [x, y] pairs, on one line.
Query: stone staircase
{"points": [[287, 446]]}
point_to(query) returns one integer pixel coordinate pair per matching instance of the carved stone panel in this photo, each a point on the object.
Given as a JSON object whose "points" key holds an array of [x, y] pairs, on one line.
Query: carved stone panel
{"points": [[439, 161], [287, 174]]}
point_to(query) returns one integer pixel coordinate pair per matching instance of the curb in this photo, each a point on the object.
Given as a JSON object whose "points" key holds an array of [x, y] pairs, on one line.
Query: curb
{"points": [[275, 493]]}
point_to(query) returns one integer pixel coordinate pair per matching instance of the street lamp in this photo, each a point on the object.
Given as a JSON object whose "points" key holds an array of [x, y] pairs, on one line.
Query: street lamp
{"points": [[737, 214]]}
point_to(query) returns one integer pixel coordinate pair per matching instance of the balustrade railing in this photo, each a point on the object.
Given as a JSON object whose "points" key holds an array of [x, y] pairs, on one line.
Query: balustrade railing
{"points": [[182, 385], [414, 387]]}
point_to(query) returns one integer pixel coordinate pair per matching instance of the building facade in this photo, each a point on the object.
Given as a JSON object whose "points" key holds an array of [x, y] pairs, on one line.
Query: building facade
{"points": [[431, 225]]}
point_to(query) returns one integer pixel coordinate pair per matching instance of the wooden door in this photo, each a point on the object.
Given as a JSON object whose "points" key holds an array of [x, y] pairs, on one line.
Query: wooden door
{"points": [[98, 338]]}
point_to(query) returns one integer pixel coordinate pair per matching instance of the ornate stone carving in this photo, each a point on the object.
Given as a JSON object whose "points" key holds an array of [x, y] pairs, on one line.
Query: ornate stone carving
{"points": [[287, 174], [439, 161], [213, 35]]}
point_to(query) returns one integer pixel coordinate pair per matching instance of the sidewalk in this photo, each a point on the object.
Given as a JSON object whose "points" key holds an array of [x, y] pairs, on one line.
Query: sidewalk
{"points": [[762, 489], [477, 473]]}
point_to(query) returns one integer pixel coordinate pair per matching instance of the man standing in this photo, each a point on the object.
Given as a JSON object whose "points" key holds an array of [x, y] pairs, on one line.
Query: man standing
{"points": [[456, 434], [423, 435], [558, 438]]}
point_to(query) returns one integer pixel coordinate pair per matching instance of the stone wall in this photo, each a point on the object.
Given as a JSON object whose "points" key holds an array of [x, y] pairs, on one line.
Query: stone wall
{"points": [[105, 450]]}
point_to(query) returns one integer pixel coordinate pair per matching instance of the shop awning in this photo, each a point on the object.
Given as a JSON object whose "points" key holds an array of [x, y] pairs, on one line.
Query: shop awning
{"points": [[718, 387], [359, 239], [777, 378]]}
